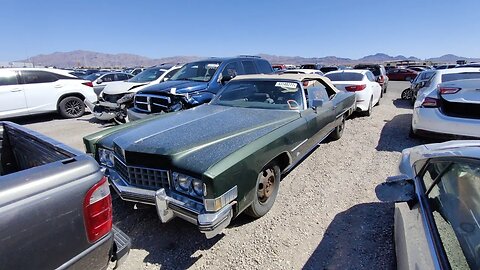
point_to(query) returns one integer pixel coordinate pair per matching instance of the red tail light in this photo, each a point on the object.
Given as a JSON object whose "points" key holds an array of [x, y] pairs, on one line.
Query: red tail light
{"points": [[354, 88], [97, 209], [429, 102], [449, 90], [88, 84]]}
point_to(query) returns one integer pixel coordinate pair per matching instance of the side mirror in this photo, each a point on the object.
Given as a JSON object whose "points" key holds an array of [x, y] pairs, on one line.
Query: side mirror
{"points": [[165, 79], [99, 81], [317, 103], [225, 79], [421, 84], [397, 189]]}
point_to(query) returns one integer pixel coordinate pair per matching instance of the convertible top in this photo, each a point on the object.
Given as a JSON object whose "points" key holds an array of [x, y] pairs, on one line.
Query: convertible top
{"points": [[293, 77]]}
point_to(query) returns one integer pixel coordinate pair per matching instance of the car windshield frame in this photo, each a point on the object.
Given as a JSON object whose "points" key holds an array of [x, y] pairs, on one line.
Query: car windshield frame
{"points": [[185, 72], [290, 95], [148, 75]]}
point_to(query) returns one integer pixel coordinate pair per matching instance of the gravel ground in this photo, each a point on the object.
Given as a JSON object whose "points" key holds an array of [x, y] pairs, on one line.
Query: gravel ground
{"points": [[326, 215]]}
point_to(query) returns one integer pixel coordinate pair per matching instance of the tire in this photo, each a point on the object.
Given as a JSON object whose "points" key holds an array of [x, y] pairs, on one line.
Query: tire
{"points": [[71, 107], [338, 131], [407, 94], [368, 112], [385, 90], [267, 186], [412, 134]]}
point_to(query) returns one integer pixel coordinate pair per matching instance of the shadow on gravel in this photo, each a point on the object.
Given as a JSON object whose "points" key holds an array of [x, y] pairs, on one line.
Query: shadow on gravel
{"points": [[394, 136], [402, 103], [359, 238], [169, 246]]}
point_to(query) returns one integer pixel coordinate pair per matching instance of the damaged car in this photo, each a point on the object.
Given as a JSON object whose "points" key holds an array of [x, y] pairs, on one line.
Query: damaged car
{"points": [[194, 84], [210, 163], [117, 97]]}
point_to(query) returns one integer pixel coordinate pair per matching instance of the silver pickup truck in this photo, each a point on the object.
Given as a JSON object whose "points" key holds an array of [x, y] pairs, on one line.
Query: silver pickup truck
{"points": [[55, 206]]}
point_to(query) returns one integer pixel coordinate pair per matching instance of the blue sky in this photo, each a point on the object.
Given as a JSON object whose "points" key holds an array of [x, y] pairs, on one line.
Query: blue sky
{"points": [[220, 28]]}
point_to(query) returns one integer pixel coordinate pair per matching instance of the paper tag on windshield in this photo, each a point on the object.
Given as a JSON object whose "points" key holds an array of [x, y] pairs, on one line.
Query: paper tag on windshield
{"points": [[286, 84], [173, 90]]}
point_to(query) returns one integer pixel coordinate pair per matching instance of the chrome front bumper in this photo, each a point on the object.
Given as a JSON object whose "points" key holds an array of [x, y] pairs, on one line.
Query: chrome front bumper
{"points": [[170, 205]]}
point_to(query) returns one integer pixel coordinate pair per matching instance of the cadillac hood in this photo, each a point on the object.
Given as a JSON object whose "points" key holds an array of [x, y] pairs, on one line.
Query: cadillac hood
{"points": [[179, 87], [195, 139]]}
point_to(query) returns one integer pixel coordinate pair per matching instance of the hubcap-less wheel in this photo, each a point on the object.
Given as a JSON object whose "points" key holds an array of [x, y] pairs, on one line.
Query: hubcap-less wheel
{"points": [[266, 186]]}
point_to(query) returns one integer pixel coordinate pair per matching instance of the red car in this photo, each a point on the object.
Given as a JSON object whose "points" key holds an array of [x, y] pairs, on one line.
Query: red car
{"points": [[401, 74]]}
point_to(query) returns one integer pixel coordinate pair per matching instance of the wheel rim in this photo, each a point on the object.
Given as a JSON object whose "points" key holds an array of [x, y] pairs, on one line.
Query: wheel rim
{"points": [[266, 186], [73, 107]]}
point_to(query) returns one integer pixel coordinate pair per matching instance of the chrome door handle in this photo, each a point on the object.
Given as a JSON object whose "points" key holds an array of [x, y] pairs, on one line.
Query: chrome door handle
{"points": [[16, 90], [58, 86]]}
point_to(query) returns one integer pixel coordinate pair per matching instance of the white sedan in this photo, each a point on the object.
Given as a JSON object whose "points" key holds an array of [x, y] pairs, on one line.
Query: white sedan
{"points": [[451, 110], [25, 91], [362, 82]]}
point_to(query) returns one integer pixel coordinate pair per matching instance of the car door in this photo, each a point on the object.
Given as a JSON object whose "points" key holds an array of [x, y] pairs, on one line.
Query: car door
{"points": [[320, 119], [376, 88], [11, 91], [41, 90]]}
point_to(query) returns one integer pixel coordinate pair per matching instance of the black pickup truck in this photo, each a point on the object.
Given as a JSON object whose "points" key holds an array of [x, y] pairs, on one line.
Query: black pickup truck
{"points": [[55, 206]]}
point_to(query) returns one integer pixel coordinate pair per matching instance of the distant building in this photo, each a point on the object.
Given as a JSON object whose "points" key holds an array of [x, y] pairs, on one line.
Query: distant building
{"points": [[13, 64]]}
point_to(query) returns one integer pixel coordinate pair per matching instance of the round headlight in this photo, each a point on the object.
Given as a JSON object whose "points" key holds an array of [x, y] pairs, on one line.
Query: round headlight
{"points": [[197, 187], [183, 181]]}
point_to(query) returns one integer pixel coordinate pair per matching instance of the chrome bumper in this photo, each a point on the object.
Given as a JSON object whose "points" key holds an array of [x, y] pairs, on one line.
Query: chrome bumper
{"points": [[103, 115], [170, 205]]}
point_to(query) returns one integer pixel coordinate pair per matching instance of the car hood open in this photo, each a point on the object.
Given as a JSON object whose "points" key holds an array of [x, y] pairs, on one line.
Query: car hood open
{"points": [[195, 139]]}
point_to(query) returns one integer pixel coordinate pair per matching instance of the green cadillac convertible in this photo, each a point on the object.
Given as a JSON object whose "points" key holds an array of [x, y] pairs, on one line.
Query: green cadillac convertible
{"points": [[210, 163]]}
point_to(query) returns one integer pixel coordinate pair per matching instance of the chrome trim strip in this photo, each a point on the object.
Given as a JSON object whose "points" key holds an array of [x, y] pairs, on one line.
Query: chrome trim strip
{"points": [[300, 144]]}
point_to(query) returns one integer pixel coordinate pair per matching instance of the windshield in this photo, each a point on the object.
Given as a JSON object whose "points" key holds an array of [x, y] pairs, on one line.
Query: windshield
{"points": [[92, 77], [201, 71], [148, 75], [276, 95], [344, 76]]}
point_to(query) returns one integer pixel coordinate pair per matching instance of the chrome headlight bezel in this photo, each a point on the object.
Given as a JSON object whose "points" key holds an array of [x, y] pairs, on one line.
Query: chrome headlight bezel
{"points": [[106, 157], [188, 185]]}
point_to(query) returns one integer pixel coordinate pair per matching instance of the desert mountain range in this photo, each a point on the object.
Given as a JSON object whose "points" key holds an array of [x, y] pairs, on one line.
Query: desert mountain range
{"points": [[96, 59]]}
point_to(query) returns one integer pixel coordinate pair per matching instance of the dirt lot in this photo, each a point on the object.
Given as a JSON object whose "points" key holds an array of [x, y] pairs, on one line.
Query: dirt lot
{"points": [[326, 215]]}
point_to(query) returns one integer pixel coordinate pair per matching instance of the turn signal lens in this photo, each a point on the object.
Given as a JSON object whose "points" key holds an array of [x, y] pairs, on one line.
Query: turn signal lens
{"points": [[354, 88], [449, 90], [429, 102]]}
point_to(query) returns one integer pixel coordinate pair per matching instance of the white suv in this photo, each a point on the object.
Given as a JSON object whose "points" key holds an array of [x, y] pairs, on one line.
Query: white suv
{"points": [[25, 91]]}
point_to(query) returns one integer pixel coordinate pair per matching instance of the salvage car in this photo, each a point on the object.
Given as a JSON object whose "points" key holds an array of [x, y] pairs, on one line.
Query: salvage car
{"points": [[361, 82], [55, 206], [452, 110], [117, 97], [437, 210], [101, 79], [194, 84], [210, 163], [27, 91]]}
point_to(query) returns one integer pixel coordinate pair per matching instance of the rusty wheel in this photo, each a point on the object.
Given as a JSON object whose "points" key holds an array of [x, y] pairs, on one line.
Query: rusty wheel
{"points": [[268, 183]]}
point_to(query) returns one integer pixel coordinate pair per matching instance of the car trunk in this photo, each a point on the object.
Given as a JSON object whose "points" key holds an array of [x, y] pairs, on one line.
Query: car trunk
{"points": [[464, 104], [20, 150]]}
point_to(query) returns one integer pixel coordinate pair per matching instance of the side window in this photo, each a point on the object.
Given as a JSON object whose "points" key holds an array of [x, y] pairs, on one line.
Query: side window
{"points": [[232, 70], [455, 203], [315, 90], [121, 77], [108, 78], [264, 67], [249, 67], [34, 76], [370, 76], [8, 77]]}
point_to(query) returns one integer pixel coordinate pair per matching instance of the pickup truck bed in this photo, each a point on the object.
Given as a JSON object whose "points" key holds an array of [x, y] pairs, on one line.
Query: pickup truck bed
{"points": [[43, 197]]}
